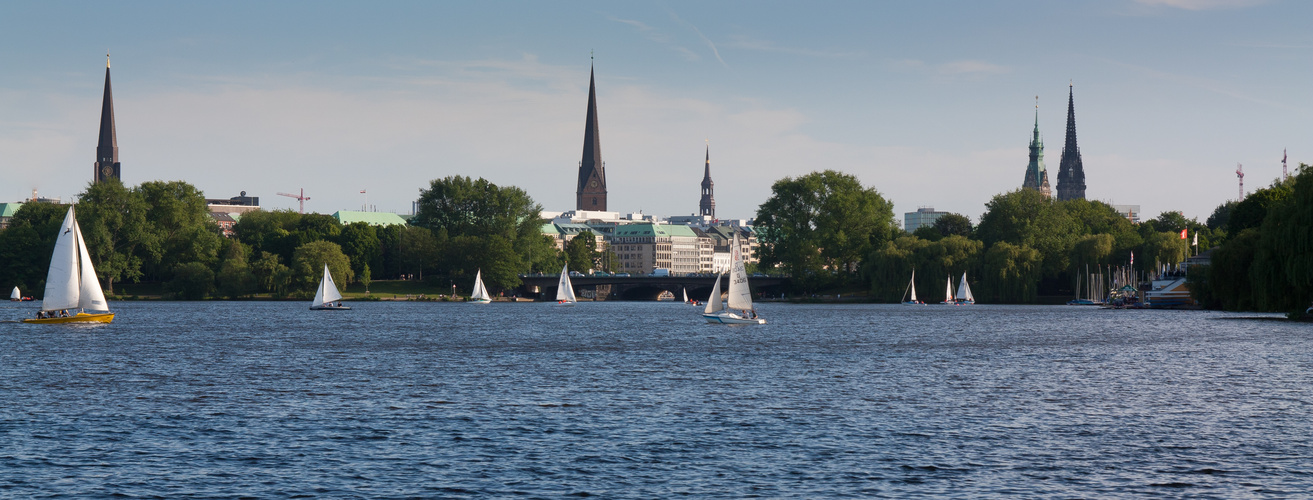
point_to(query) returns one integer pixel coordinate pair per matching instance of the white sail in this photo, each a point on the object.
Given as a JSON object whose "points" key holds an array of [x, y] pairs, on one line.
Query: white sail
{"points": [[62, 279], [480, 292], [90, 295], [564, 290], [964, 290], [682, 290], [913, 285], [740, 297], [948, 290], [714, 304], [327, 291], [15, 295]]}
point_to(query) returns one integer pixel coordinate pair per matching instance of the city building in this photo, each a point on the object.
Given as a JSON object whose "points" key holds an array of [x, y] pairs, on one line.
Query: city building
{"points": [[1071, 173], [591, 191], [1037, 177], [107, 148], [1130, 212], [225, 222], [345, 217], [644, 247], [922, 217], [562, 233], [7, 211], [722, 236], [235, 205], [707, 207]]}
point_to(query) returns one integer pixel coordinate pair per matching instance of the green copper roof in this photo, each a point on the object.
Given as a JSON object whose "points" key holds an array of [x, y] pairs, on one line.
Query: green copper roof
{"points": [[8, 209], [372, 218], [647, 229]]}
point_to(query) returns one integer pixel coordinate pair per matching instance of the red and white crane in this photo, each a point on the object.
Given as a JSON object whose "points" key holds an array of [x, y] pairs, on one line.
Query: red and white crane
{"points": [[1240, 174], [301, 198]]}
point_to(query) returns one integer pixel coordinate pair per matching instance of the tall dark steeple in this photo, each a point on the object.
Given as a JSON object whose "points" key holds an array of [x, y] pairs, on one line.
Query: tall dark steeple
{"points": [[591, 193], [708, 204], [1037, 177], [1071, 173], [107, 149]]}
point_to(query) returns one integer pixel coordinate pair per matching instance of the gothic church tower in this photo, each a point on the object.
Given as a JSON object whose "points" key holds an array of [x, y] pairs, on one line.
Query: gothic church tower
{"points": [[708, 205], [1071, 174], [591, 191], [107, 149]]}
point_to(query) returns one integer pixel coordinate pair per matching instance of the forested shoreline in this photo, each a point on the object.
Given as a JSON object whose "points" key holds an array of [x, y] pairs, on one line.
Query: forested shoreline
{"points": [[825, 230]]}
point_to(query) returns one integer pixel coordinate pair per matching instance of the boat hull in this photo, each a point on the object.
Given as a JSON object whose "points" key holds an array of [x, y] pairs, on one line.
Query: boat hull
{"points": [[732, 319], [76, 318], [330, 308], [480, 301], [909, 303]]}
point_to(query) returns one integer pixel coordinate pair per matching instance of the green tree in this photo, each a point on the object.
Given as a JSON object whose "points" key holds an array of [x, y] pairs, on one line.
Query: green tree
{"points": [[114, 225], [365, 278], [1250, 212], [581, 251], [1221, 215], [271, 275], [821, 222], [1282, 270], [25, 247], [236, 278], [1010, 273], [953, 224], [459, 206], [178, 228], [308, 264], [360, 243], [191, 281], [1027, 219], [1172, 222]]}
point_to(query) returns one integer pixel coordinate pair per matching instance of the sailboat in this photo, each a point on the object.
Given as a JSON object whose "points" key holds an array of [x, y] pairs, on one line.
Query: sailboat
{"points": [[327, 298], [15, 295], [964, 296], [948, 292], [740, 296], [564, 290], [480, 294], [911, 286], [71, 282]]}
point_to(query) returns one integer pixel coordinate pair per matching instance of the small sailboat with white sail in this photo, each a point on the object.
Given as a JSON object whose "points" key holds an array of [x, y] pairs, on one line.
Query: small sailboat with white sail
{"points": [[964, 296], [71, 282], [740, 296], [911, 287], [480, 293], [948, 292], [564, 290], [15, 295], [327, 298]]}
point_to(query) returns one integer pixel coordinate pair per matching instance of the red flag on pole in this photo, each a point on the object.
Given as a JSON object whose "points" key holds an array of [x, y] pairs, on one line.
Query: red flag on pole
{"points": [[1183, 233]]}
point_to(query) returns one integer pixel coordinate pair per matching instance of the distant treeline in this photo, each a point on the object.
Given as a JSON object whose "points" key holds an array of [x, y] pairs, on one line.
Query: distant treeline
{"points": [[162, 232], [828, 231], [1267, 262]]}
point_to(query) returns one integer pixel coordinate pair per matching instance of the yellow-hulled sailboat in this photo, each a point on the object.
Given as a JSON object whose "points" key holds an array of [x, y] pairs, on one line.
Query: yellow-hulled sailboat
{"points": [[71, 285]]}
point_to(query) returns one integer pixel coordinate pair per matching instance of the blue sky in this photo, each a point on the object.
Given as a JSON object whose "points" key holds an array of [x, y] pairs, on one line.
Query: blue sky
{"points": [[931, 103]]}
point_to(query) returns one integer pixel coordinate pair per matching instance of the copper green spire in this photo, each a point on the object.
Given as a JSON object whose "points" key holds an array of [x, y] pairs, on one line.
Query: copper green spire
{"points": [[1037, 177]]}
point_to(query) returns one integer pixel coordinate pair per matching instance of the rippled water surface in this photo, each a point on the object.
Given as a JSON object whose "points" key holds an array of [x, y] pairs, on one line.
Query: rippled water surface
{"points": [[643, 400]]}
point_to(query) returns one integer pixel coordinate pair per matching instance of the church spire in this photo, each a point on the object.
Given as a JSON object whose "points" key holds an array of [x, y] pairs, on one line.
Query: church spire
{"points": [[591, 192], [107, 148], [1071, 173], [708, 204], [1037, 177]]}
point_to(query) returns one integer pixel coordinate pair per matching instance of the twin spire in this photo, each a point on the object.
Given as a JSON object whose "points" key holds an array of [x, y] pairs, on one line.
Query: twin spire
{"points": [[1071, 173]]}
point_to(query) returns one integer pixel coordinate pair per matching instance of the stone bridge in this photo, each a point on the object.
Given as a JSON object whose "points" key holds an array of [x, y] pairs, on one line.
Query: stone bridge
{"points": [[639, 287]]}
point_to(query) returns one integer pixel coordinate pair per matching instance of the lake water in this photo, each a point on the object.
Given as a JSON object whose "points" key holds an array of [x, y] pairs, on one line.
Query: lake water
{"points": [[644, 400]]}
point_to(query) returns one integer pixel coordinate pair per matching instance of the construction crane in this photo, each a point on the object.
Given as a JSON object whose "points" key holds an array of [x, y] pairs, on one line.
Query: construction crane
{"points": [[301, 198], [1240, 174]]}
